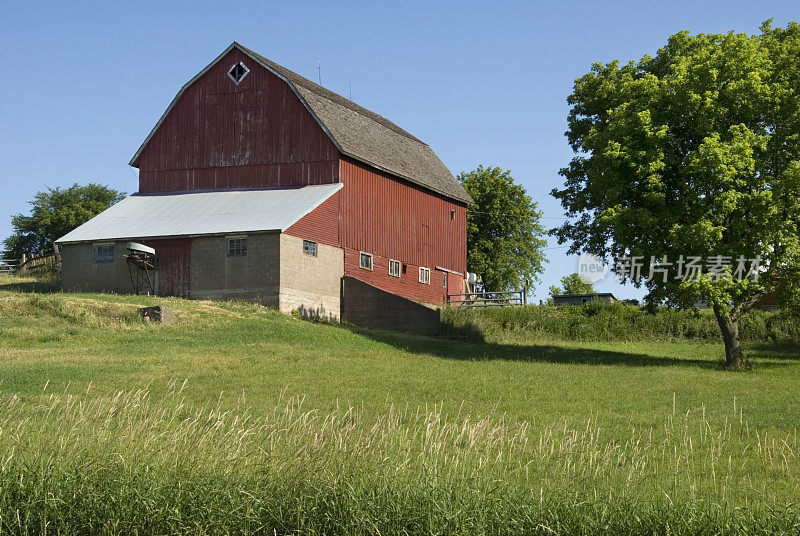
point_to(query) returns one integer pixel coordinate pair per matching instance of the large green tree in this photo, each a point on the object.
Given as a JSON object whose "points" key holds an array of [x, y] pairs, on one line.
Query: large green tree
{"points": [[693, 153], [572, 284], [54, 213], [504, 233]]}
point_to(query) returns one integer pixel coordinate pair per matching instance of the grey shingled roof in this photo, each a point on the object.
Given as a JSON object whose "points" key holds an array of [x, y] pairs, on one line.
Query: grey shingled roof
{"points": [[369, 137], [361, 134]]}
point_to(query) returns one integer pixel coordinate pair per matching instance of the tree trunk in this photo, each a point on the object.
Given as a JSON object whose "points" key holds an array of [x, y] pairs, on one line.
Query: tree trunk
{"points": [[729, 326]]}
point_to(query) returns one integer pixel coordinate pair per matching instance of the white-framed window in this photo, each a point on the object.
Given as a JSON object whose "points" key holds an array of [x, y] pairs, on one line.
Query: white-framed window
{"points": [[444, 280], [365, 260], [452, 215], [394, 268], [425, 275], [310, 248], [236, 246], [237, 72], [104, 253]]}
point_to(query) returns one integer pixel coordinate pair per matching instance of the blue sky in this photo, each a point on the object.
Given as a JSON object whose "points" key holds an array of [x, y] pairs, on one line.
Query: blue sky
{"points": [[482, 83]]}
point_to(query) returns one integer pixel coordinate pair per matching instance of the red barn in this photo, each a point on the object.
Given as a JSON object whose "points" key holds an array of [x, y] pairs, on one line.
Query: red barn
{"points": [[253, 160]]}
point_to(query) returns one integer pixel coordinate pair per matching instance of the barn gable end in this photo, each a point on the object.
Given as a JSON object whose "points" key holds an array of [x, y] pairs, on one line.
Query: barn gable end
{"points": [[220, 135], [254, 123]]}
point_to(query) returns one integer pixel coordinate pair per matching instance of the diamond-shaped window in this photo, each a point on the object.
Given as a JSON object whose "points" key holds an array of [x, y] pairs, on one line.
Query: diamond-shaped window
{"points": [[238, 72]]}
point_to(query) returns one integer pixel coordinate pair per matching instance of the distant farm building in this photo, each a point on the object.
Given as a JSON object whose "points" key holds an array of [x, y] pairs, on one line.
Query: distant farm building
{"points": [[261, 185], [580, 299]]}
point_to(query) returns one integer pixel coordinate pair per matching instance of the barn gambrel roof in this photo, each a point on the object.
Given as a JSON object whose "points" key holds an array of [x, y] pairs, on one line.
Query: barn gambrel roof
{"points": [[357, 132]]}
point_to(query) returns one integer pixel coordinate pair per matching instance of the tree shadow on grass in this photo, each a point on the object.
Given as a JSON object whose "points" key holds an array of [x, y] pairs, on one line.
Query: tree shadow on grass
{"points": [[536, 352], [778, 350], [42, 287]]}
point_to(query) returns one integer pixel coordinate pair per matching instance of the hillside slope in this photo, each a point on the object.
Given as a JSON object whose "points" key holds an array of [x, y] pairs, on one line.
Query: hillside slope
{"points": [[240, 419], [226, 349]]}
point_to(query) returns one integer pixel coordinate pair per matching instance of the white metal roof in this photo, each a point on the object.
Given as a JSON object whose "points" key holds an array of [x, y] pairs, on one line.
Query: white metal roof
{"points": [[202, 213]]}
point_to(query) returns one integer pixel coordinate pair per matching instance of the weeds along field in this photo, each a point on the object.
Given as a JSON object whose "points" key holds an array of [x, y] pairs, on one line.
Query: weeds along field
{"points": [[603, 321], [130, 464], [237, 419]]}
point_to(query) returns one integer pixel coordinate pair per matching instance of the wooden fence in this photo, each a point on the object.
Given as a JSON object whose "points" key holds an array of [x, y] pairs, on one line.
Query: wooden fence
{"points": [[43, 259], [29, 262], [9, 266]]}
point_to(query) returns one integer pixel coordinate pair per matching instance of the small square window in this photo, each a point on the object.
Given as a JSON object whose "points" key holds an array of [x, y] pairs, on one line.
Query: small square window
{"points": [[310, 248], [104, 253], [237, 247], [444, 280], [405, 266], [425, 275], [452, 215], [238, 72], [365, 261], [394, 268]]}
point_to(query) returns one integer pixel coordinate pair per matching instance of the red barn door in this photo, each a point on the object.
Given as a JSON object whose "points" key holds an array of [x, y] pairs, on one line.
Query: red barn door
{"points": [[173, 266]]}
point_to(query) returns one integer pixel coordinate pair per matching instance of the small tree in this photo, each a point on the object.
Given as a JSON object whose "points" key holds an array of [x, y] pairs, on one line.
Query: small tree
{"points": [[56, 212], [504, 233], [572, 284], [693, 153]]}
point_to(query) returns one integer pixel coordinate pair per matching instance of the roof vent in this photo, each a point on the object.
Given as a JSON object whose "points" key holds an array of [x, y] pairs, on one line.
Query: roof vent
{"points": [[238, 72]]}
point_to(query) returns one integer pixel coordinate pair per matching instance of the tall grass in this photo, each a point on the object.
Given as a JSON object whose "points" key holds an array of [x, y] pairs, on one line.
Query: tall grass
{"points": [[77, 311], [130, 464], [602, 321]]}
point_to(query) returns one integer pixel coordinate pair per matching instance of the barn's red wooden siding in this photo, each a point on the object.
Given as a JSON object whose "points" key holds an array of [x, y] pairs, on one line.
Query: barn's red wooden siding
{"points": [[391, 219], [173, 265], [219, 135], [321, 224], [258, 134], [407, 285], [394, 219]]}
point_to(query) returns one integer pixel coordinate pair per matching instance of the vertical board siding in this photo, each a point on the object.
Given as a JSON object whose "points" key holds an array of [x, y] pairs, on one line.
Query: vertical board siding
{"points": [[407, 285], [173, 265], [393, 219], [221, 135], [321, 224]]}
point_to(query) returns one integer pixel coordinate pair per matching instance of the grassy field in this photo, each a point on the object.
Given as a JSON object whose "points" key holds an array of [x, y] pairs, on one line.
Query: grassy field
{"points": [[240, 419]]}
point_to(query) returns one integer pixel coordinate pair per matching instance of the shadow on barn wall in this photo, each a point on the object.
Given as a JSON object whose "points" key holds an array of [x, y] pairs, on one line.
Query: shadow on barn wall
{"points": [[315, 314]]}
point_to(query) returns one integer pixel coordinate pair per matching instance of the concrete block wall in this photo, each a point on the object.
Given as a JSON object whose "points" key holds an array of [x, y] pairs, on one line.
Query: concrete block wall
{"points": [[253, 277], [275, 273], [310, 284], [370, 307], [80, 272]]}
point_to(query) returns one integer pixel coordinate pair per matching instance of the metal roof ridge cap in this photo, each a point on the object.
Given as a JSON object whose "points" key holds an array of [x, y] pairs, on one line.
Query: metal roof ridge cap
{"points": [[232, 190]]}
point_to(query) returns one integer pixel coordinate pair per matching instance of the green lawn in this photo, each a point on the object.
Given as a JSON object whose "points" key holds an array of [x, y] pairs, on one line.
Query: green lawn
{"points": [[606, 397]]}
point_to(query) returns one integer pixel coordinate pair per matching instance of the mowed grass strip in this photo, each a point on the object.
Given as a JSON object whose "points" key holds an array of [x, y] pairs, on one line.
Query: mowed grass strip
{"points": [[167, 428]]}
